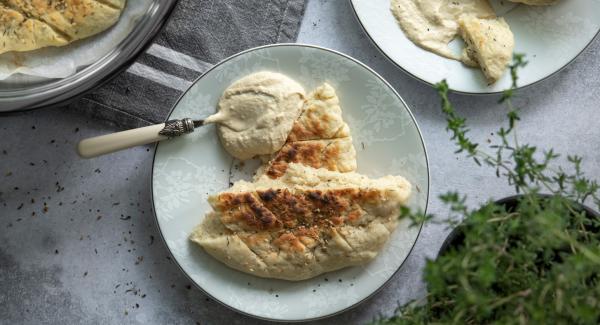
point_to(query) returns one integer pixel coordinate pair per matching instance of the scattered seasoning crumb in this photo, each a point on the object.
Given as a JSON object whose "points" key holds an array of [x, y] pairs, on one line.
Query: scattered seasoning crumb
{"points": [[76, 129], [363, 145], [326, 279], [116, 203], [126, 313], [85, 273], [20, 206], [8, 174], [276, 296], [143, 296], [339, 280], [172, 286], [31, 164], [125, 218], [189, 287], [98, 218], [137, 305], [97, 170], [45, 210], [56, 251], [151, 240], [33, 214], [96, 251], [32, 200], [314, 290]]}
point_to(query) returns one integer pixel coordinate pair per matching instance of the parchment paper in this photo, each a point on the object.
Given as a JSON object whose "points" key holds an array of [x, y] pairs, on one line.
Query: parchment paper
{"points": [[61, 62]]}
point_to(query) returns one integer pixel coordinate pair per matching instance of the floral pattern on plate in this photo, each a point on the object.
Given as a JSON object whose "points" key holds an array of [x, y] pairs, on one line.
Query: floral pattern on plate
{"points": [[188, 169]]}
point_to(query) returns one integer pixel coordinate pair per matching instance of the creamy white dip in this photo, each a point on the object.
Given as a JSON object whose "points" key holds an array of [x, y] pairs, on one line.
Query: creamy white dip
{"points": [[256, 114], [432, 24]]}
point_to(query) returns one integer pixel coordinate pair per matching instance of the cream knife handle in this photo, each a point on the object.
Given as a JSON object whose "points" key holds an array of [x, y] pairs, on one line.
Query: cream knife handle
{"points": [[101, 145]]}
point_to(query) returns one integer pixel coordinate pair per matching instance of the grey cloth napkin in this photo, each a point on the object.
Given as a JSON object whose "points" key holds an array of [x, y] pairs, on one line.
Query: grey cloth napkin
{"points": [[199, 34]]}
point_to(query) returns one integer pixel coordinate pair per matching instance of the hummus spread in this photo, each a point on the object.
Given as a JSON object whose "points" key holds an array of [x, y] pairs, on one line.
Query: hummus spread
{"points": [[256, 114], [432, 24]]}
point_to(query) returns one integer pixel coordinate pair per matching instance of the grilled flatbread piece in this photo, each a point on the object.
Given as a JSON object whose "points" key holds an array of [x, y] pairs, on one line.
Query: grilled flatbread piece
{"points": [[335, 154], [319, 138], [304, 223], [27, 25], [321, 117]]}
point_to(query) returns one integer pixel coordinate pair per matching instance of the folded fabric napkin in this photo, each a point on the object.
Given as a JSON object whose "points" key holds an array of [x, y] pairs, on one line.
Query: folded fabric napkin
{"points": [[199, 34]]}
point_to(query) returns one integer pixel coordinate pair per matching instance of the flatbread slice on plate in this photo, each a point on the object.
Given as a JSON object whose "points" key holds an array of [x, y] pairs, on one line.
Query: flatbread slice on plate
{"points": [[320, 138], [304, 223], [490, 45], [332, 154]]}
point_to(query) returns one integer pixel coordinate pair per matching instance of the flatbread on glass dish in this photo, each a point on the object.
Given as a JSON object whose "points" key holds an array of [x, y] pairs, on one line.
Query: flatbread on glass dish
{"points": [[27, 25]]}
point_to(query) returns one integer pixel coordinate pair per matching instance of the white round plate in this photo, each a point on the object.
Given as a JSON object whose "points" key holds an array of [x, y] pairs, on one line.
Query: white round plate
{"points": [[187, 169], [550, 37]]}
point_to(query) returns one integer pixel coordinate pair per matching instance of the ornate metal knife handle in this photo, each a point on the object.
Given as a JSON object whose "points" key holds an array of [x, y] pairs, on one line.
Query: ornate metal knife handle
{"points": [[175, 128], [103, 144]]}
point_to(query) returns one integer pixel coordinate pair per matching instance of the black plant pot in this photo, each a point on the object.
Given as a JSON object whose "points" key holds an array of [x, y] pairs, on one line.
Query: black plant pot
{"points": [[457, 237]]}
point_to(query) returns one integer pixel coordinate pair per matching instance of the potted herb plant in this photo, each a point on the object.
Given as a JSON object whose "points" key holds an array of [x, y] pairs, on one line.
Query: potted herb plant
{"points": [[529, 259]]}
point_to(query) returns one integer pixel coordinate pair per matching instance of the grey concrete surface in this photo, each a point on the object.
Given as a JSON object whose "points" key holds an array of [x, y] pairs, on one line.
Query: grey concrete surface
{"points": [[78, 243]]}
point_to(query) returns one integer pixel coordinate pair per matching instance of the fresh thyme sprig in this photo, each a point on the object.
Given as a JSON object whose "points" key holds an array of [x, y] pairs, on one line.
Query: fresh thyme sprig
{"points": [[520, 164]]}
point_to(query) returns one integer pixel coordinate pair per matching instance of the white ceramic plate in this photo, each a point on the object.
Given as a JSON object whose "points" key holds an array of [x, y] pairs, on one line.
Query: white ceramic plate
{"points": [[550, 36], [187, 169]]}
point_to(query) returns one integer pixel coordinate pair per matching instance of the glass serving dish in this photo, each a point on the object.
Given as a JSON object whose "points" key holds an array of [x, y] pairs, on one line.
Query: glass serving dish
{"points": [[20, 92]]}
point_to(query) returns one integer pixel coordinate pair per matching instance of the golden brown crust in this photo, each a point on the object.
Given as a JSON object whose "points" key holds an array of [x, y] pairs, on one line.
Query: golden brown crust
{"points": [[319, 138], [302, 214], [304, 223], [321, 117], [334, 155]]}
